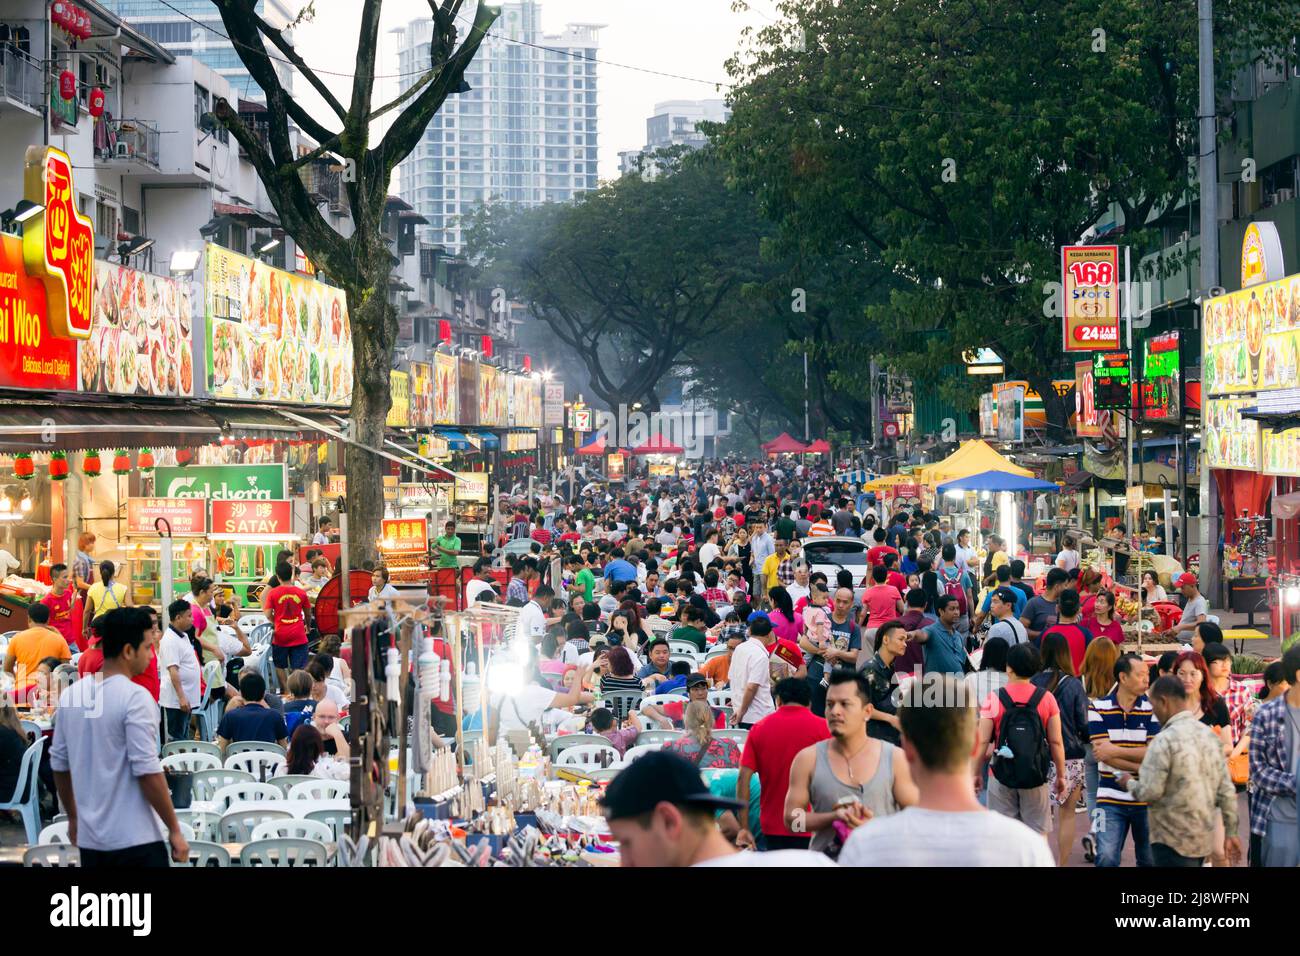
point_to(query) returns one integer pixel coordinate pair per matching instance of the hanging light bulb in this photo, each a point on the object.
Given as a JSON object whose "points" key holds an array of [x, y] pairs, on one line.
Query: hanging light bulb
{"points": [[6, 505], [25, 505]]}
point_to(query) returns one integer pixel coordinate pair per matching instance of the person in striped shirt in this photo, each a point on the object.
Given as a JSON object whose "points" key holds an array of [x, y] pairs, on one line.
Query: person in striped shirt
{"points": [[821, 528], [1120, 726]]}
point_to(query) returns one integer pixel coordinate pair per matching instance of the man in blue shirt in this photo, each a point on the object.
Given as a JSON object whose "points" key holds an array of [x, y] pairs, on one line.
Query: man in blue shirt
{"points": [[945, 650], [658, 666], [254, 720], [619, 569]]}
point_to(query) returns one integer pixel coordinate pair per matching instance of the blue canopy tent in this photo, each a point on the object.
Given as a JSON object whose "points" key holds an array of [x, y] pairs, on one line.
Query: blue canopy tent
{"points": [[997, 481]]}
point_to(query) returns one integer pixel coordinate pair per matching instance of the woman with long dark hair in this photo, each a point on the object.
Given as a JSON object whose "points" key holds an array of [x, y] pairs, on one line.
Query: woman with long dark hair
{"points": [[1058, 678], [306, 747], [785, 625], [1212, 709], [103, 596]]}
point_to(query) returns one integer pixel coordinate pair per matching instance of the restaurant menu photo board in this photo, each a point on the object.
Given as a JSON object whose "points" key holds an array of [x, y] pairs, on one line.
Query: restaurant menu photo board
{"points": [[399, 409], [185, 516], [31, 355], [1252, 338], [1230, 441], [469, 393], [446, 390], [140, 341], [274, 336], [1112, 381], [1161, 387], [421, 394], [501, 399], [1282, 452], [491, 397]]}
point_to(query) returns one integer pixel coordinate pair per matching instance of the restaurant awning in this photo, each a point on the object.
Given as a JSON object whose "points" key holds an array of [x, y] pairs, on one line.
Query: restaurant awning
{"points": [[334, 425], [34, 426], [488, 439], [261, 424], [456, 441]]}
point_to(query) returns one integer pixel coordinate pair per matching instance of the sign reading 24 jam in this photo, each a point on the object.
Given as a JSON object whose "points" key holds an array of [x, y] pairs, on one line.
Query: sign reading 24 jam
{"points": [[59, 242], [1090, 290]]}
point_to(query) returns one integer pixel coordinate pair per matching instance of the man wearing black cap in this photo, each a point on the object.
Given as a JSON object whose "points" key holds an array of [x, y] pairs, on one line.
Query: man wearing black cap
{"points": [[671, 714], [661, 814]]}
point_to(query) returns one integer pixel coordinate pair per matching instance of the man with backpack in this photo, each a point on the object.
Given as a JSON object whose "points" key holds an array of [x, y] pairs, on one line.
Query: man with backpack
{"points": [[1002, 603], [1020, 734], [1068, 626]]}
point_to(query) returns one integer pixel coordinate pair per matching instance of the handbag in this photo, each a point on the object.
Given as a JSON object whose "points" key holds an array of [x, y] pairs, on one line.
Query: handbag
{"points": [[1239, 768]]}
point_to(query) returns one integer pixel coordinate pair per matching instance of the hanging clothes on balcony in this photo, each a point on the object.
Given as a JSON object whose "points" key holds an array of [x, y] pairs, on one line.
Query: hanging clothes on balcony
{"points": [[105, 135]]}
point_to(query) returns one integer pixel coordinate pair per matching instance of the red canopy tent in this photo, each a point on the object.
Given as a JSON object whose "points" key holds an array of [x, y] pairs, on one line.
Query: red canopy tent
{"points": [[819, 447], [784, 444], [594, 447], [658, 446]]}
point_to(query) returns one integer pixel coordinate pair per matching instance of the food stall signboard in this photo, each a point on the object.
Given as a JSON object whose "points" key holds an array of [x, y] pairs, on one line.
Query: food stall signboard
{"points": [[399, 388], [59, 242], [554, 405], [1112, 381], [1161, 387], [421, 394], [405, 535], [141, 342], [186, 516], [1090, 291], [1011, 412], [472, 486], [31, 355], [256, 519], [1230, 441], [272, 335], [248, 482], [468, 394], [336, 485], [446, 390], [616, 463]]}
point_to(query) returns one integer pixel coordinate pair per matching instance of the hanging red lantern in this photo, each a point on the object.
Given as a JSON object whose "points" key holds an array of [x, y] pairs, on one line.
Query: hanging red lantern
{"points": [[23, 466], [184, 457], [528, 363], [121, 462], [487, 346], [444, 331], [97, 102], [83, 25], [90, 465], [59, 14], [67, 84], [145, 461], [59, 466]]}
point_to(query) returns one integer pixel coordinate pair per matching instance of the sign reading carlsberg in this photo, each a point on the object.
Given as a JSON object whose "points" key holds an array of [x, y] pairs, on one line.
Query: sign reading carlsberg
{"points": [[225, 482]]}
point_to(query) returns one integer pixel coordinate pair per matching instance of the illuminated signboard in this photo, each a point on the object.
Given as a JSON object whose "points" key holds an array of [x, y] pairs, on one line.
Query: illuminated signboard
{"points": [[258, 519], [1161, 386], [1112, 381], [59, 242], [1090, 289], [405, 535], [186, 516]]}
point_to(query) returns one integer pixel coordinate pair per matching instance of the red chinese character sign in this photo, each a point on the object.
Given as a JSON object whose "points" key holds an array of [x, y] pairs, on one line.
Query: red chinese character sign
{"points": [[405, 535], [1090, 297], [257, 519], [59, 242]]}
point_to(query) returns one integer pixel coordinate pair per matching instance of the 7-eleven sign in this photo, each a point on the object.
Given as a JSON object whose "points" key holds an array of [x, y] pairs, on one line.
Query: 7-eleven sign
{"points": [[59, 242]]}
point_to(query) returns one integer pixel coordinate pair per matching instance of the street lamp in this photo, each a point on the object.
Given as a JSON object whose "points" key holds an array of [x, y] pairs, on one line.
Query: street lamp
{"points": [[184, 262]]}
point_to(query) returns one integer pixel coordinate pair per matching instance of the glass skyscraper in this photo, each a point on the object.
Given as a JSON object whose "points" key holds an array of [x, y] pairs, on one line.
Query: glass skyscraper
{"points": [[177, 30], [524, 133]]}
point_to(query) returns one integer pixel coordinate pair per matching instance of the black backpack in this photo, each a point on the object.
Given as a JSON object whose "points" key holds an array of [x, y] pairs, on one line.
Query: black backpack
{"points": [[1023, 732]]}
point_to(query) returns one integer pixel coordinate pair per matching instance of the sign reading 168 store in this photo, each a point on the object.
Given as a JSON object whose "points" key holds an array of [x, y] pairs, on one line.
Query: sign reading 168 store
{"points": [[46, 280]]}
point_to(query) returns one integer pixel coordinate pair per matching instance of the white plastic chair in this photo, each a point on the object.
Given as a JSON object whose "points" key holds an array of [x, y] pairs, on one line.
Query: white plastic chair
{"points": [[193, 747], [189, 763], [202, 825], [294, 829], [245, 746], [685, 648], [54, 833], [237, 825], [320, 789], [236, 792], [204, 853], [721, 697], [206, 783], [659, 737], [565, 741], [337, 820], [262, 764], [688, 658], [284, 852], [659, 699], [640, 750], [716, 651], [247, 622], [588, 755], [54, 855], [288, 781], [30, 807]]}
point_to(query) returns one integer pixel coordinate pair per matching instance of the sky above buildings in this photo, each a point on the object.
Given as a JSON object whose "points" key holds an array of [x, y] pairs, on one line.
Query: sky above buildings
{"points": [[690, 38]]}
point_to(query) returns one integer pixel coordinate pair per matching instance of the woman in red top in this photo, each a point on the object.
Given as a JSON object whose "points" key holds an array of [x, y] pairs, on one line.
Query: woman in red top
{"points": [[1102, 622], [1089, 588]]}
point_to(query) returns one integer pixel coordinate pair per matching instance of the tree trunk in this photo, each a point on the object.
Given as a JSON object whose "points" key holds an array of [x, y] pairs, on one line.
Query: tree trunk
{"points": [[374, 330]]}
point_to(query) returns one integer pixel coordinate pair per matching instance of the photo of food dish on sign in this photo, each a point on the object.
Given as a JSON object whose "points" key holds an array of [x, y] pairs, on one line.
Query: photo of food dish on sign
{"points": [[273, 335], [1252, 338], [31, 355], [1231, 441], [140, 341]]}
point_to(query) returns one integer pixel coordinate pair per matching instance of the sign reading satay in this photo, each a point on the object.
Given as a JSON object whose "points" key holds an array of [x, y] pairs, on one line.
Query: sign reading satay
{"points": [[252, 518]]}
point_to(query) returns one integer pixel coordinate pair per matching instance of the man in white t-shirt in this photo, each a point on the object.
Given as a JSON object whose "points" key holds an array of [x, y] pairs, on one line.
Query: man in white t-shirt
{"points": [[178, 667], [531, 624], [1002, 605], [481, 582], [750, 674], [947, 827], [662, 813]]}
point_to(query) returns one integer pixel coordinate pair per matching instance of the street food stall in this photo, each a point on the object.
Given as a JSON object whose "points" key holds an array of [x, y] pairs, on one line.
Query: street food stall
{"points": [[187, 519], [245, 538]]}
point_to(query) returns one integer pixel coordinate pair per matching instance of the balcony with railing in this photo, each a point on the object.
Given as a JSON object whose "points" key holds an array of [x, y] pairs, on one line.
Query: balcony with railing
{"points": [[22, 82], [324, 182], [131, 145]]}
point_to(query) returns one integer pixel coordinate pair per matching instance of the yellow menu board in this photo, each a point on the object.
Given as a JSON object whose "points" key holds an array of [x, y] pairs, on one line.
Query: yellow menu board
{"points": [[1282, 452], [446, 397], [274, 336], [1230, 441], [399, 412], [1252, 338]]}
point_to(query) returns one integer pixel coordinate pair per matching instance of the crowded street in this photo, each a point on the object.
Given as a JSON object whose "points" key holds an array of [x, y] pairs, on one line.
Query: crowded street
{"points": [[446, 435]]}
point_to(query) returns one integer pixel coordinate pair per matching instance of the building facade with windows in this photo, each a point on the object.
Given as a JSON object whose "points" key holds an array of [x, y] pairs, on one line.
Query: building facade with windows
{"points": [[673, 123], [194, 28], [525, 132]]}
